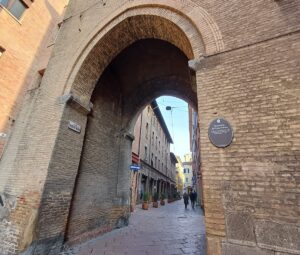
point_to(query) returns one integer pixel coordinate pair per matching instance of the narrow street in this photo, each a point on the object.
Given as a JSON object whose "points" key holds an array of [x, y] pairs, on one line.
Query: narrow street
{"points": [[167, 230]]}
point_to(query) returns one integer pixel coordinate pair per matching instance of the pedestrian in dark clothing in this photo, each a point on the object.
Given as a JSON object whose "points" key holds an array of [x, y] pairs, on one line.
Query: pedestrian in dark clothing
{"points": [[193, 197], [185, 199]]}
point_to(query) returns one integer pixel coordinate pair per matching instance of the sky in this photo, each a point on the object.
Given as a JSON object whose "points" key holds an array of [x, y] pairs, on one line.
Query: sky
{"points": [[177, 123]]}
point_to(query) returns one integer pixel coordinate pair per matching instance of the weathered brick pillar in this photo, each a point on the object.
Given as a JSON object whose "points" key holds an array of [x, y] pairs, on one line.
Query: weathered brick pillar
{"points": [[60, 182], [123, 174]]}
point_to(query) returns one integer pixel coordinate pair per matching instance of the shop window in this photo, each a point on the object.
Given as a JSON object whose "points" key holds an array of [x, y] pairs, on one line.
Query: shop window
{"points": [[15, 7]]}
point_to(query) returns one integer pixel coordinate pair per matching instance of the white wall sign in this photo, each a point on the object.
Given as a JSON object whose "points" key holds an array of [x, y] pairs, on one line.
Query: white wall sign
{"points": [[74, 126]]}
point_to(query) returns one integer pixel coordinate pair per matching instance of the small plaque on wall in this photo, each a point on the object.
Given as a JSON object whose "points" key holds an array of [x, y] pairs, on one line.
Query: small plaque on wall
{"points": [[220, 133], [74, 126]]}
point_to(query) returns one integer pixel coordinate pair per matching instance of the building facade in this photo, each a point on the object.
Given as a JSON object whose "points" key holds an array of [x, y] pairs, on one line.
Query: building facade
{"points": [[28, 30], [189, 184], [179, 176], [195, 149], [151, 150]]}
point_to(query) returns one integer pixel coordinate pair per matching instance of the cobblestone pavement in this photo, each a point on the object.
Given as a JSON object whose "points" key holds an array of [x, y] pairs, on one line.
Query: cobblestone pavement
{"points": [[167, 230]]}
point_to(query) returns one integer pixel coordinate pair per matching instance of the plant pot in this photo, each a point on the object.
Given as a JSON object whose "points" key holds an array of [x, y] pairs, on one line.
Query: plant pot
{"points": [[162, 202], [145, 206], [155, 204]]}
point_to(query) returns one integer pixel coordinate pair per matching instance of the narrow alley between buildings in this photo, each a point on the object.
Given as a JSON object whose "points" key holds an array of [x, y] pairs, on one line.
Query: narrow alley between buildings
{"points": [[166, 230]]}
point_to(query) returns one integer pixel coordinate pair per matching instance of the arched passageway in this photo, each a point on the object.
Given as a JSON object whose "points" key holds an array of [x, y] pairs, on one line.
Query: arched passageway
{"points": [[143, 71]]}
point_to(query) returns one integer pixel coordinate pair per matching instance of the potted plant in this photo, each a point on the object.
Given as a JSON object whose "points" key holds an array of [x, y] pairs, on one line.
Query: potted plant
{"points": [[145, 201], [162, 199], [155, 199]]}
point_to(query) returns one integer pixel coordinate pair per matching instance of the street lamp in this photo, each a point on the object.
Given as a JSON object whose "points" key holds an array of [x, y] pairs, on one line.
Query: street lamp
{"points": [[170, 108]]}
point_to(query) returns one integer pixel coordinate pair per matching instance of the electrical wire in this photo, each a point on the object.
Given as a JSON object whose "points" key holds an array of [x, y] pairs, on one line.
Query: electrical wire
{"points": [[174, 106]]}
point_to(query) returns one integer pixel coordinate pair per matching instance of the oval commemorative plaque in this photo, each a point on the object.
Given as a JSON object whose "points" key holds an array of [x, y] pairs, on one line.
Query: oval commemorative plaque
{"points": [[220, 133]]}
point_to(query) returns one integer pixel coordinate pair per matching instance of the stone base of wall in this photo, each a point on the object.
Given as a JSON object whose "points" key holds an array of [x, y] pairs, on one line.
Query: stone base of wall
{"points": [[117, 218], [49, 246]]}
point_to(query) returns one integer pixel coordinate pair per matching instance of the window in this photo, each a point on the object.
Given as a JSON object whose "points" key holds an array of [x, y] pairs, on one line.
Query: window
{"points": [[1, 51], [152, 138], [186, 179], [4, 3], [184, 170], [146, 152], [147, 130], [152, 159], [15, 7]]}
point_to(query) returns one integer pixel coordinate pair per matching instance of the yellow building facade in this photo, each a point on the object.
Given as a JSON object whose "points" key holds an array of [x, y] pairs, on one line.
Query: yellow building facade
{"points": [[179, 175]]}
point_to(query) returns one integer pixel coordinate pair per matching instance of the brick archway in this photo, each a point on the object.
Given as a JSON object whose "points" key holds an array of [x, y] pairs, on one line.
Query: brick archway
{"points": [[143, 71], [188, 26], [41, 173]]}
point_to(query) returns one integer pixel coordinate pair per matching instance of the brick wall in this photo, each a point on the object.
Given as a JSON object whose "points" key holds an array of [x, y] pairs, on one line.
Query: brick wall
{"points": [[253, 182], [28, 44], [93, 205]]}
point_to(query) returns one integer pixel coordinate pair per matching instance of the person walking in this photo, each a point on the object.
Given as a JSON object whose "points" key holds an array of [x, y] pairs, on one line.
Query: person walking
{"points": [[193, 197], [185, 199]]}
